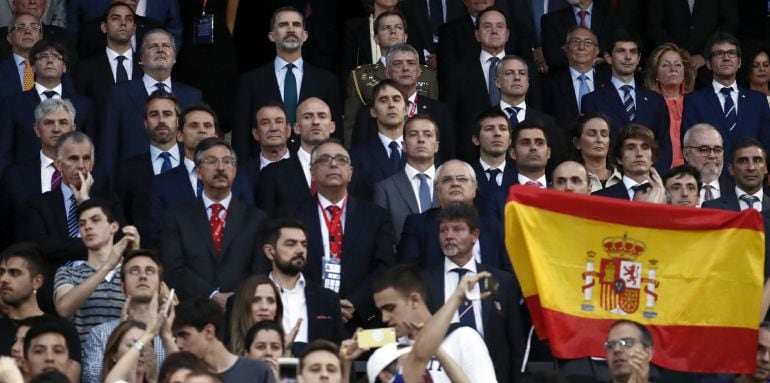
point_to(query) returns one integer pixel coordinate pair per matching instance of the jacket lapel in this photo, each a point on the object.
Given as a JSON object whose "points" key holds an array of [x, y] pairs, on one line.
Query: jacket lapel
{"points": [[233, 223], [404, 187], [198, 217]]}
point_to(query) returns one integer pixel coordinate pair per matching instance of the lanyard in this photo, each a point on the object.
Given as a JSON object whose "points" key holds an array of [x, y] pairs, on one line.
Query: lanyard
{"points": [[203, 5], [413, 107], [335, 220]]}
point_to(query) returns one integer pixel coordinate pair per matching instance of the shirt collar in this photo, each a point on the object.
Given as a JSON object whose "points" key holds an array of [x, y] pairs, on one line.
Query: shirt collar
{"points": [[485, 165], [45, 161], [264, 161], [629, 183], [155, 152], [150, 82], [326, 203], [299, 286], [718, 87], [523, 180], [40, 89], [18, 59], [504, 105], [190, 165], [386, 142], [485, 56], [449, 265], [617, 84], [576, 9], [112, 55], [303, 156], [759, 194], [715, 184], [412, 172], [574, 73], [66, 191], [279, 63], [207, 202]]}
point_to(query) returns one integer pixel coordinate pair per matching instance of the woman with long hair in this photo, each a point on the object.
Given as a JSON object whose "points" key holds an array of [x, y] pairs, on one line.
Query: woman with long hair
{"points": [[256, 300], [129, 355]]}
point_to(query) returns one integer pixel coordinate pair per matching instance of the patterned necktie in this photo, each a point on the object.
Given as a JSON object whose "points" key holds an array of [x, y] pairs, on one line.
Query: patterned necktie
{"points": [[166, 166], [582, 89], [72, 218], [494, 92], [731, 117], [750, 200], [628, 102], [290, 94], [534, 183], [426, 202], [55, 179], [492, 173], [49, 94], [395, 156], [29, 76], [583, 13], [217, 227], [708, 195], [336, 235], [120, 71], [465, 312], [513, 115]]}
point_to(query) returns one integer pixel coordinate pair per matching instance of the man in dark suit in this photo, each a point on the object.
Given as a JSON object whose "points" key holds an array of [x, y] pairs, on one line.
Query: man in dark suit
{"points": [[403, 67], [271, 131], [455, 182], [410, 191], [96, 77], [634, 150], [211, 265], [383, 155], [48, 31], [497, 318], [625, 101], [595, 17], [288, 182], [425, 25], [353, 242], [494, 170], [318, 308], [17, 140], [16, 74], [530, 13], [736, 112], [748, 166], [133, 181], [704, 150], [288, 78], [92, 39], [122, 132]]}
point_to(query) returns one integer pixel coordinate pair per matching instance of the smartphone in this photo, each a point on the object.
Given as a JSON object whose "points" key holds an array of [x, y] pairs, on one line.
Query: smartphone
{"points": [[377, 337], [169, 301], [288, 370], [488, 284]]}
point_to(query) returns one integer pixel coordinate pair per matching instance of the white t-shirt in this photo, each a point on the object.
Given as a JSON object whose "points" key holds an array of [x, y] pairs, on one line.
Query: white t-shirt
{"points": [[469, 351]]}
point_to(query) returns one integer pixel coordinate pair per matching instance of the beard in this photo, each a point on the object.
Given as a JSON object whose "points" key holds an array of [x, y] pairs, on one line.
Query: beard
{"points": [[290, 267]]}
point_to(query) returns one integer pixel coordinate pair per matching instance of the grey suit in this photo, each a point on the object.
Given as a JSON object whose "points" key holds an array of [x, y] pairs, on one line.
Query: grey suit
{"points": [[396, 195]]}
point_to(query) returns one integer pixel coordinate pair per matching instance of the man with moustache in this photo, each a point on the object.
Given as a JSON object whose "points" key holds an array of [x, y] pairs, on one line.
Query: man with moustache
{"points": [[704, 150]]}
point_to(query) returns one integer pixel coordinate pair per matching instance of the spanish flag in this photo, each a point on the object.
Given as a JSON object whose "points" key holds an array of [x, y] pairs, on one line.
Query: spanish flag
{"points": [[692, 276]]}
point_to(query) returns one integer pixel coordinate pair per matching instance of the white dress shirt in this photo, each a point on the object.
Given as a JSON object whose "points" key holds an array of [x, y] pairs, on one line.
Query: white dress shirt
{"points": [[485, 166], [46, 172], [279, 66], [149, 84], [40, 89], [157, 161], [294, 307], [411, 175], [757, 206], [191, 174], [734, 94], [207, 202], [264, 161], [451, 279], [20, 67], [715, 191], [524, 179], [629, 184], [304, 159], [520, 115], [484, 60], [128, 63]]}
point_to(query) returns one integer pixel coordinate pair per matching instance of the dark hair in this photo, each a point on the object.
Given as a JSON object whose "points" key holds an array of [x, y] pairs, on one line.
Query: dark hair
{"points": [[41, 328], [199, 312], [265, 325], [458, 211], [530, 123], [113, 5], [240, 317], [720, 38], [46, 44], [405, 279], [488, 10], [163, 95], [393, 12], [131, 254], [646, 336], [112, 346], [753, 49], [177, 361], [424, 117], [270, 104], [682, 170], [330, 140], [746, 143], [622, 36], [286, 8], [214, 377], [319, 345], [104, 205], [386, 83], [577, 131], [272, 229], [638, 132], [52, 376], [489, 113], [198, 108], [32, 255], [208, 143]]}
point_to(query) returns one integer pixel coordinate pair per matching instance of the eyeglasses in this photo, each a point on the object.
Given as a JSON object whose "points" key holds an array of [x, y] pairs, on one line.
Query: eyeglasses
{"points": [[213, 163], [732, 53], [49, 56], [136, 270], [26, 27], [625, 343], [707, 150], [326, 160], [588, 43]]}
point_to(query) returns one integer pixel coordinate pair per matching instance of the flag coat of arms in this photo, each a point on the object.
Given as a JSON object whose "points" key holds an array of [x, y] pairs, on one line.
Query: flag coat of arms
{"points": [[692, 276]]}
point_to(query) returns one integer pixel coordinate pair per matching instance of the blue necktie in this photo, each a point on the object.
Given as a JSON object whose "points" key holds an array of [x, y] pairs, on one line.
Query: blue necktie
{"points": [[395, 156], [72, 218], [750, 200], [513, 118], [199, 188], [120, 71], [161, 87], [426, 202], [166, 166], [628, 102], [465, 312], [582, 89], [49, 94], [290, 94], [494, 92], [731, 117]]}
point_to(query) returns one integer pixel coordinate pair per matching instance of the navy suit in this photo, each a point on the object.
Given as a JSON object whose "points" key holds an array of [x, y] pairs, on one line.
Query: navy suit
{"points": [[615, 191], [420, 246], [17, 186], [703, 105], [281, 185], [556, 24], [10, 82], [651, 111], [492, 199], [18, 141], [323, 314], [123, 134], [372, 164], [502, 323], [367, 250]]}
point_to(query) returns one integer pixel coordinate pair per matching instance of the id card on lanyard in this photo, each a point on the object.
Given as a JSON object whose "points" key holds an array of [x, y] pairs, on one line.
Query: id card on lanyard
{"points": [[331, 268], [203, 27]]}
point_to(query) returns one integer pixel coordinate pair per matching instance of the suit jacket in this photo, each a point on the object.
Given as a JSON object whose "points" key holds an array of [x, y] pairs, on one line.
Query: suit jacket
{"points": [[671, 21], [492, 200], [418, 20], [651, 111], [357, 49], [365, 128], [91, 40], [558, 86], [55, 13], [367, 249], [703, 105], [18, 141], [10, 83], [556, 24], [187, 248], [522, 12], [282, 185], [395, 194], [502, 323], [323, 314], [371, 164], [419, 243], [729, 201], [123, 134], [615, 191], [17, 185], [52, 32]]}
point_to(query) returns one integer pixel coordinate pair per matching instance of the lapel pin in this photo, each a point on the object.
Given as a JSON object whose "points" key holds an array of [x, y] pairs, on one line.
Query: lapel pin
{"points": [[498, 306]]}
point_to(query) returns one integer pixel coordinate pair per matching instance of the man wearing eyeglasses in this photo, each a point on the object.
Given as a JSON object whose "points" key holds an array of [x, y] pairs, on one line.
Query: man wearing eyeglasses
{"points": [[207, 245], [704, 150], [737, 113], [629, 349], [350, 241], [16, 73]]}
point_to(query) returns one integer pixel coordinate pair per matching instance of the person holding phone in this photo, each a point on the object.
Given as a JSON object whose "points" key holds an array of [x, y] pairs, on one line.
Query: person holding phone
{"points": [[264, 341]]}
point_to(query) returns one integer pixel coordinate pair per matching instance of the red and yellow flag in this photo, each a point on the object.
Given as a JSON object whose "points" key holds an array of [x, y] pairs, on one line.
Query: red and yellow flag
{"points": [[692, 276]]}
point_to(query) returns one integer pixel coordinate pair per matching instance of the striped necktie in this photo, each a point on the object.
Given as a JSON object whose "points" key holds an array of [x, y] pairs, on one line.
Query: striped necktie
{"points": [[72, 219]]}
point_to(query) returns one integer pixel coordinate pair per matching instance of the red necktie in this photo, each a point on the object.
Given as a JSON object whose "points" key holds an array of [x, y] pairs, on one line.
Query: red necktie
{"points": [[217, 227], [335, 232], [582, 13], [533, 183], [55, 179]]}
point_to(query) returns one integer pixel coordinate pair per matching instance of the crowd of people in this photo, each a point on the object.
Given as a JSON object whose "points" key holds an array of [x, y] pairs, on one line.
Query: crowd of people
{"points": [[201, 191]]}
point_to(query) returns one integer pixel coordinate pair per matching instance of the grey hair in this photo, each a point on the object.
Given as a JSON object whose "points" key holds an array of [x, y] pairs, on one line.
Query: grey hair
{"points": [[576, 27], [157, 31], [400, 48], [75, 136], [699, 128], [499, 69], [53, 105], [330, 140], [468, 167]]}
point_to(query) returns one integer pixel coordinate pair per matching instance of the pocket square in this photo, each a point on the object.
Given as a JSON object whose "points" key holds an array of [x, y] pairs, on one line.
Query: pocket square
{"points": [[322, 317]]}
